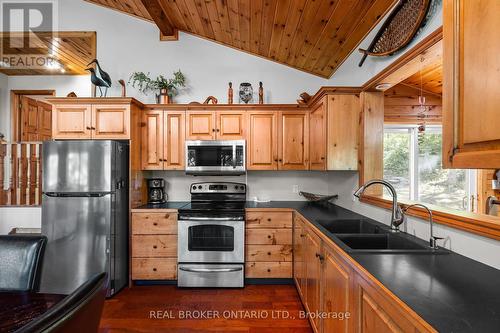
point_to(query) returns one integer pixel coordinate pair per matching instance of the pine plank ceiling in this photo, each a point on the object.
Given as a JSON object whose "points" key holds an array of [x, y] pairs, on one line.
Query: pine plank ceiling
{"points": [[430, 79], [72, 51], [314, 36]]}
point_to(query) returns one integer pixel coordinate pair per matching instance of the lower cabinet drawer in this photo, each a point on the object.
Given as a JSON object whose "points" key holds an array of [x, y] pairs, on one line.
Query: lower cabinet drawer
{"points": [[154, 223], [268, 236], [154, 246], [154, 269], [267, 219], [268, 269], [268, 253]]}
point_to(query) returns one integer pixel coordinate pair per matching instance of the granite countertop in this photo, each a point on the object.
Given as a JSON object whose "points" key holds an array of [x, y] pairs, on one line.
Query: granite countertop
{"points": [[451, 292]]}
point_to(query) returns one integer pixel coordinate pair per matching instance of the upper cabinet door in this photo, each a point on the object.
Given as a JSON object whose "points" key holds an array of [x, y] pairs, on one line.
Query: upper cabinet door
{"points": [[44, 121], [293, 142], [230, 125], [72, 121], [262, 144], [343, 132], [317, 137], [111, 121], [200, 125], [471, 98], [152, 140], [174, 130]]}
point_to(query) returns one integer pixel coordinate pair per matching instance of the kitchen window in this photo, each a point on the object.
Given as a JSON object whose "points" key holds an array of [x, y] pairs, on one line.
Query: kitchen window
{"points": [[412, 164]]}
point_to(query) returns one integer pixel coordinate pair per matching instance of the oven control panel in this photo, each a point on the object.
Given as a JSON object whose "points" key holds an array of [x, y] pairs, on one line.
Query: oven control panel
{"points": [[218, 187]]}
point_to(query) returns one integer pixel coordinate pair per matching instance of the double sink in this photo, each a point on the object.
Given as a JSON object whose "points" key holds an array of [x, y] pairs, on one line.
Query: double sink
{"points": [[363, 236]]}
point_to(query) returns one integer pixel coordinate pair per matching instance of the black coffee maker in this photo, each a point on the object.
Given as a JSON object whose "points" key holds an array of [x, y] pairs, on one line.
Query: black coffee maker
{"points": [[156, 191]]}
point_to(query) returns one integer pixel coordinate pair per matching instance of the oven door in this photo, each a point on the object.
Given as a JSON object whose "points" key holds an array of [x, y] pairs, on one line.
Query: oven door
{"points": [[211, 240], [215, 157]]}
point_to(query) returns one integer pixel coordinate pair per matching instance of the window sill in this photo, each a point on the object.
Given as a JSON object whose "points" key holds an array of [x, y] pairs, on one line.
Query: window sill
{"points": [[480, 224]]}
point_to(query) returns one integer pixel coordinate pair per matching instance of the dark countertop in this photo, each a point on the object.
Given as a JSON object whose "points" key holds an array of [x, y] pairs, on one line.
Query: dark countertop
{"points": [[451, 292]]}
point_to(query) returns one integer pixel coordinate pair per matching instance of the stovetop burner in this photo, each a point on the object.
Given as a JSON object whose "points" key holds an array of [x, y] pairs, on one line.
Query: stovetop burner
{"points": [[216, 199]]}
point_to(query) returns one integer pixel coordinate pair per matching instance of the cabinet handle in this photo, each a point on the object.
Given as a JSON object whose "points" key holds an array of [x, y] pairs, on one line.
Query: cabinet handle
{"points": [[89, 128], [302, 235], [322, 158], [253, 220]]}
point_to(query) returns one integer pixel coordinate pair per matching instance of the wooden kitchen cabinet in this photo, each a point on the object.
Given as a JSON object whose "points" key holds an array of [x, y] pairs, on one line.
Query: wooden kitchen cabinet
{"points": [[293, 140], [163, 134], [343, 131], [268, 244], [215, 125], [72, 121], [152, 140], [337, 285], [471, 138], [111, 121], [298, 255], [231, 125], [317, 137], [200, 125], [333, 132], [262, 143], [89, 118], [313, 259], [154, 245]]}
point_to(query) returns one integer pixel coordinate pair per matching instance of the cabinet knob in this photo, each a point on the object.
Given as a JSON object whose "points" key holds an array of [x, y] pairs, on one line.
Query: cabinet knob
{"points": [[269, 236], [275, 160], [167, 216], [280, 160], [268, 253], [269, 270], [269, 220], [302, 235], [322, 158], [155, 224], [218, 130], [154, 246], [154, 269], [213, 129], [89, 128]]}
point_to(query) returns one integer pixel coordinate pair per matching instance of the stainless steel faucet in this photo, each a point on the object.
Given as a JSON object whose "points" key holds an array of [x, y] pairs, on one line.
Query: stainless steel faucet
{"points": [[433, 239], [397, 217]]}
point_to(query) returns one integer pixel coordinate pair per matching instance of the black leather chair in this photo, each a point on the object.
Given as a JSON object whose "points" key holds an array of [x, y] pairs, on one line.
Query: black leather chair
{"points": [[79, 312], [21, 258]]}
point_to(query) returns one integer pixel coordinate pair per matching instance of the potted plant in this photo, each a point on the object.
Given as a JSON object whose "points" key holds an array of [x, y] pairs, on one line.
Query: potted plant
{"points": [[168, 88]]}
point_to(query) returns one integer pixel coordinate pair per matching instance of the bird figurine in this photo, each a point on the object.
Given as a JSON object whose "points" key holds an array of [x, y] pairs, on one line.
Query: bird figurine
{"points": [[99, 77]]}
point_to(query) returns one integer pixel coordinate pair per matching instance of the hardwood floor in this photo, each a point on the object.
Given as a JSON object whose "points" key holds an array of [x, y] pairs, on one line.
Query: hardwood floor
{"points": [[256, 308]]}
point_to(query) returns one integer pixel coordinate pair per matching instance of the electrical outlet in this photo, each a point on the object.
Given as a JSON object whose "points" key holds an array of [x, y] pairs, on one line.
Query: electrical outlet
{"points": [[295, 189]]}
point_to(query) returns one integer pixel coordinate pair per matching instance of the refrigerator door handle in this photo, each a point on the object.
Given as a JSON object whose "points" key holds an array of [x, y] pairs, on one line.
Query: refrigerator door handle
{"points": [[73, 195]]}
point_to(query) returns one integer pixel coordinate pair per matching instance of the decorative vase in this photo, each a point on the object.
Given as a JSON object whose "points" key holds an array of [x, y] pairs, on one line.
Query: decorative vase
{"points": [[246, 92], [163, 97]]}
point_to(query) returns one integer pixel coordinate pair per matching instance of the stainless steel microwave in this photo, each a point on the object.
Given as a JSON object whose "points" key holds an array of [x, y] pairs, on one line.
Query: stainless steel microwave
{"points": [[215, 157]]}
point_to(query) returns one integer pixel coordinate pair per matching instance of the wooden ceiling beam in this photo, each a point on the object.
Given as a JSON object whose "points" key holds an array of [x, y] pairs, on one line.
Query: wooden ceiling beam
{"points": [[155, 10]]}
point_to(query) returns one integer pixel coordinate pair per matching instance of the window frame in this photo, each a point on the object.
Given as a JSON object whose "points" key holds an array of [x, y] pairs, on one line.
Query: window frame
{"points": [[414, 175]]}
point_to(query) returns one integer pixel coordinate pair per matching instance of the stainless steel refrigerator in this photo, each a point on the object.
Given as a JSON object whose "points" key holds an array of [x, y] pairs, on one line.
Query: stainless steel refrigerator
{"points": [[85, 213]]}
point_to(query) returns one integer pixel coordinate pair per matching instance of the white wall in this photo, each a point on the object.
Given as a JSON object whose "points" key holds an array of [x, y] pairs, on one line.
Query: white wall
{"points": [[479, 248], [263, 185]]}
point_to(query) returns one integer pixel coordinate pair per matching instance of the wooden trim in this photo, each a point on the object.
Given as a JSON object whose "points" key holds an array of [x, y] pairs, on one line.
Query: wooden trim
{"points": [[14, 111], [174, 37], [325, 90], [236, 107], [160, 17], [94, 100], [422, 46], [483, 225]]}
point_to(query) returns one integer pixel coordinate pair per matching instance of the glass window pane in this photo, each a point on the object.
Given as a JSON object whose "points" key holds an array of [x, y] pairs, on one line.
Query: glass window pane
{"points": [[438, 186], [397, 161]]}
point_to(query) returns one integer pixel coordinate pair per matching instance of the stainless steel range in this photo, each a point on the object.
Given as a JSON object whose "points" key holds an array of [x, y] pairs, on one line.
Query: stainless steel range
{"points": [[211, 236]]}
